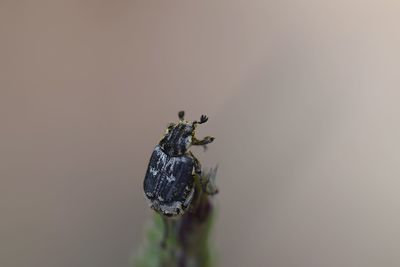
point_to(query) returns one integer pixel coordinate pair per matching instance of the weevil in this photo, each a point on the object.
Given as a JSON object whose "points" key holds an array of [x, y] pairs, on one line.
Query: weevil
{"points": [[169, 184]]}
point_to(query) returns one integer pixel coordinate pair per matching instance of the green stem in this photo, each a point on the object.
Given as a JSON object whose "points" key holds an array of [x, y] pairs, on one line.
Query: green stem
{"points": [[187, 243]]}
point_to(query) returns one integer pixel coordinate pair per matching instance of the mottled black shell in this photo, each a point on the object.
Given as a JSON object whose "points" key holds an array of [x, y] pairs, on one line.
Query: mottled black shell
{"points": [[168, 184], [177, 139]]}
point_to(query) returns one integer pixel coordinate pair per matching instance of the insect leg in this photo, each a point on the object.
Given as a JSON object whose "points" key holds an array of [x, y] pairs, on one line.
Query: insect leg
{"points": [[197, 165], [206, 140], [205, 180]]}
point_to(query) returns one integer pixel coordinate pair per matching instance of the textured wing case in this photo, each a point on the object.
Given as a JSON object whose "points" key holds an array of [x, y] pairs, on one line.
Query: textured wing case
{"points": [[168, 183]]}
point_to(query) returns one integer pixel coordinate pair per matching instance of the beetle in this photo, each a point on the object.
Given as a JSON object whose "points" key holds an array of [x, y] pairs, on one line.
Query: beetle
{"points": [[169, 184]]}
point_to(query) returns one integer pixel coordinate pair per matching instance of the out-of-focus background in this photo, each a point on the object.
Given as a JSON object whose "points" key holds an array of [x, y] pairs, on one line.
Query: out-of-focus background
{"points": [[303, 99]]}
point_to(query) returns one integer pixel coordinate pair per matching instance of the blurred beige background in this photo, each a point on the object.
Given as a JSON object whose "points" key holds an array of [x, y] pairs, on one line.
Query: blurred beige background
{"points": [[303, 98]]}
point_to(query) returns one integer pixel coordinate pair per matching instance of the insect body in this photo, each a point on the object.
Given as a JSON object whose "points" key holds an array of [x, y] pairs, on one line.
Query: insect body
{"points": [[169, 181]]}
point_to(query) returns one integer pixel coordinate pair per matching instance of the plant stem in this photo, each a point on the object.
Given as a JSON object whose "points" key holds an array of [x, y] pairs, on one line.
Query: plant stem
{"points": [[187, 242]]}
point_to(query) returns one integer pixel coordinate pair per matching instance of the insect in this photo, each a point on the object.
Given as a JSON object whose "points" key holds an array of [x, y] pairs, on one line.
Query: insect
{"points": [[169, 182]]}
